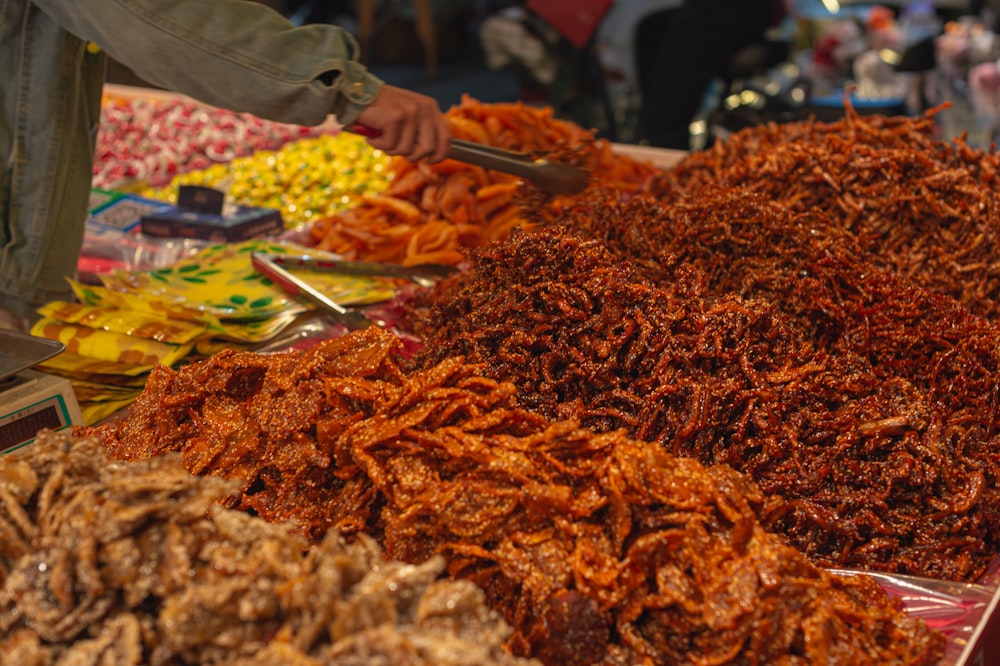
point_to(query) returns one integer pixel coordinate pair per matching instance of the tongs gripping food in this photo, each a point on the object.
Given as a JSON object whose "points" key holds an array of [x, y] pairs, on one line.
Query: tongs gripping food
{"points": [[548, 176], [552, 177]]}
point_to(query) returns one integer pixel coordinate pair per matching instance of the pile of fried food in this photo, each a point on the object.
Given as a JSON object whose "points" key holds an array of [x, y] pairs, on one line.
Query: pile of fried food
{"points": [[645, 418], [813, 304], [875, 438], [912, 204], [596, 548], [109, 562]]}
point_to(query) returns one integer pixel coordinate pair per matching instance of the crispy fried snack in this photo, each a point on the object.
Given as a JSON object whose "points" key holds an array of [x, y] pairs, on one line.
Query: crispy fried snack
{"points": [[597, 549], [864, 405], [917, 206], [105, 562]]}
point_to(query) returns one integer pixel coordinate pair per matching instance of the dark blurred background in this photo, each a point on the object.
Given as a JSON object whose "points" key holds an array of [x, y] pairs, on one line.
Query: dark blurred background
{"points": [[395, 52]]}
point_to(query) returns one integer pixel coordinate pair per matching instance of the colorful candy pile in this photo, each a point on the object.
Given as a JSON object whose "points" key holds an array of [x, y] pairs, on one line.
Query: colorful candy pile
{"points": [[152, 140]]}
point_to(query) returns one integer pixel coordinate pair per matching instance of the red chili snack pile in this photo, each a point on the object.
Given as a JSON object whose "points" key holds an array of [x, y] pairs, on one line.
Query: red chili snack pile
{"points": [[597, 549], [813, 303], [917, 206], [863, 405]]}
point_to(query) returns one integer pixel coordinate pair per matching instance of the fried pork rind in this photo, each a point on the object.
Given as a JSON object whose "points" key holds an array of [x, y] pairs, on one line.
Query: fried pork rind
{"points": [[598, 549], [137, 563]]}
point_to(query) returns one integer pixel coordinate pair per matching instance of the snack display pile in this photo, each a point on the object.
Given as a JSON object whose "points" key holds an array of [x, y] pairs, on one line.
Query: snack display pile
{"points": [[735, 406]]}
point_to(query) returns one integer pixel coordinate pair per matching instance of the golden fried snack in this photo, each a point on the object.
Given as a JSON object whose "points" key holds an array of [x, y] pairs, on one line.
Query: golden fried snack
{"points": [[597, 549], [105, 562]]}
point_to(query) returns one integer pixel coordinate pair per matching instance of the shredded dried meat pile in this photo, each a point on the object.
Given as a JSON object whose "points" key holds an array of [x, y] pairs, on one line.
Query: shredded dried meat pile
{"points": [[597, 549], [867, 407], [104, 562], [855, 261], [917, 206]]}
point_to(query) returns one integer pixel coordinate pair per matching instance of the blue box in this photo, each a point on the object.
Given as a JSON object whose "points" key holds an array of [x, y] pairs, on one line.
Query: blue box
{"points": [[115, 211], [200, 214]]}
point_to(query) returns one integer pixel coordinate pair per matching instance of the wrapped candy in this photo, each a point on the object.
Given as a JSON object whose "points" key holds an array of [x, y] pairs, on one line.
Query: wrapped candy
{"points": [[151, 140]]}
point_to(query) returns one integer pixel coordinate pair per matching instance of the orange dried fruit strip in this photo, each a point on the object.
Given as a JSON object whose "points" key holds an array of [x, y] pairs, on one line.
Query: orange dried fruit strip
{"points": [[450, 190]]}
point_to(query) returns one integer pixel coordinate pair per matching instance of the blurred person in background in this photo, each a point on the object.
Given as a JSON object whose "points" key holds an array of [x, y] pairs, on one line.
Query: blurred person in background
{"points": [[616, 49], [679, 52], [986, 10], [233, 54], [514, 37]]}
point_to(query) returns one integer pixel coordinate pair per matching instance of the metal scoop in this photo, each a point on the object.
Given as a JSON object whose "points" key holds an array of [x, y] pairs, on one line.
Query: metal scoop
{"points": [[551, 177]]}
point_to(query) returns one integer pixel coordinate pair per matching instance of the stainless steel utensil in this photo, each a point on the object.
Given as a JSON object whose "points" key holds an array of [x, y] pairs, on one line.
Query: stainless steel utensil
{"points": [[551, 177], [424, 275], [21, 351], [267, 267], [273, 267]]}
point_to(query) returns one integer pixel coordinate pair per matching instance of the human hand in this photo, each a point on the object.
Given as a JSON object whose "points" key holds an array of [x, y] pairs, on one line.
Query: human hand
{"points": [[408, 124]]}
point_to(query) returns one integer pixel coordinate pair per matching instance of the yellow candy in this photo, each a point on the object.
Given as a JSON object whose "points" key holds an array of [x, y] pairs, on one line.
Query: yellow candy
{"points": [[305, 180]]}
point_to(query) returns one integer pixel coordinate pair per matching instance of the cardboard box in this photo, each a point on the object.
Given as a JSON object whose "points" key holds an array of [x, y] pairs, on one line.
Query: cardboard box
{"points": [[201, 213], [242, 224]]}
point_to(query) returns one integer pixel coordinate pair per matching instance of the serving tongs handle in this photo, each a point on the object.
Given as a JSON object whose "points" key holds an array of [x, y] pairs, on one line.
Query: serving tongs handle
{"points": [[491, 157], [295, 286], [552, 177], [424, 275]]}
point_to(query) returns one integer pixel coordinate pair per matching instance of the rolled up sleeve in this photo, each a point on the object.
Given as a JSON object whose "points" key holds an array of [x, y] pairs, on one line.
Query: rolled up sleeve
{"points": [[232, 54]]}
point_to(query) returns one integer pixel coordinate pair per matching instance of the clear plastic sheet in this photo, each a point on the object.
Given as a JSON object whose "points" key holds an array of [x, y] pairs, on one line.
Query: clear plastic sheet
{"points": [[956, 609], [107, 250]]}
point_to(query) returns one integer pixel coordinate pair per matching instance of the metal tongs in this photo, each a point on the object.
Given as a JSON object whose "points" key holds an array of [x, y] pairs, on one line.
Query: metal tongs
{"points": [[272, 266], [551, 177]]}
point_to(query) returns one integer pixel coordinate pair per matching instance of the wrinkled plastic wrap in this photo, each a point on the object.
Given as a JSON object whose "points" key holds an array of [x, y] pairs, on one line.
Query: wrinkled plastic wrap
{"points": [[956, 609], [107, 250]]}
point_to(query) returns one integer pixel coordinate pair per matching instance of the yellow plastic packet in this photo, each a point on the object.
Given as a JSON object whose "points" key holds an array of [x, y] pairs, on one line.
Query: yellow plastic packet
{"points": [[96, 392], [105, 380], [253, 331], [112, 347], [127, 322], [221, 281], [97, 296], [95, 412], [73, 366], [249, 331]]}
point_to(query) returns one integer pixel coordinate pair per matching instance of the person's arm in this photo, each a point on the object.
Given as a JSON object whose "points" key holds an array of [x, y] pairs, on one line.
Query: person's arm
{"points": [[247, 57]]}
